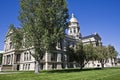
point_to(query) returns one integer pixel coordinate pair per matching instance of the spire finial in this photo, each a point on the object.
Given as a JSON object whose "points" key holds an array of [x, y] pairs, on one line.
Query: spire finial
{"points": [[73, 15]]}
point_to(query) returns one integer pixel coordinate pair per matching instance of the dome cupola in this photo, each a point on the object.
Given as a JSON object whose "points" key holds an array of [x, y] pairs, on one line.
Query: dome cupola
{"points": [[73, 19], [74, 28]]}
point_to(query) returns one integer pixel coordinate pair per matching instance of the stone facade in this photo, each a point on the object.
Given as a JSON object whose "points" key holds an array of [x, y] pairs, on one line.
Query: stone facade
{"points": [[1, 53], [23, 60]]}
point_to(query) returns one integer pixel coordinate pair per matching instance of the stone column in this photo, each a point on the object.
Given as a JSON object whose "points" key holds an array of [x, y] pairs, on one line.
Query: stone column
{"points": [[76, 30], [66, 66], [72, 31], [69, 31], [3, 60], [13, 62], [46, 60], [58, 57], [59, 65], [14, 58], [74, 64]]}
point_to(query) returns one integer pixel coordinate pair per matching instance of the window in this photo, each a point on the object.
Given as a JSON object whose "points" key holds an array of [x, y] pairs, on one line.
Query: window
{"points": [[10, 45], [28, 66], [23, 66], [18, 57], [30, 56], [74, 30], [12, 59], [54, 65], [70, 30], [4, 60], [53, 57], [25, 56], [62, 57], [8, 59]]}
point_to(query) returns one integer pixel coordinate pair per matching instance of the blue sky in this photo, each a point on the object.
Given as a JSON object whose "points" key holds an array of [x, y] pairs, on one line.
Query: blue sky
{"points": [[102, 16]]}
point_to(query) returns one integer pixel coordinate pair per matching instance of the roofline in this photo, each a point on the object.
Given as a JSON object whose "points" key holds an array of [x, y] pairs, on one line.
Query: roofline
{"points": [[1, 51], [92, 35]]}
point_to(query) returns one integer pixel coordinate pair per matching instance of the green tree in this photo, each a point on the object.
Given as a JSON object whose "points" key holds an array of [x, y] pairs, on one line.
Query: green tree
{"points": [[16, 37], [70, 54], [102, 54], [89, 52], [43, 24], [112, 53], [80, 54]]}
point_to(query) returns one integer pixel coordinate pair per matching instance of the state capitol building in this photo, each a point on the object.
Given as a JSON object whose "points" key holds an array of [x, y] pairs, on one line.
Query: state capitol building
{"points": [[24, 61]]}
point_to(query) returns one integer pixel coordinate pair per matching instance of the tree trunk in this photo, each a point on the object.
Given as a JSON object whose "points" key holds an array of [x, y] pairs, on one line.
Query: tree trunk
{"points": [[102, 63], [112, 62], [81, 67], [37, 67]]}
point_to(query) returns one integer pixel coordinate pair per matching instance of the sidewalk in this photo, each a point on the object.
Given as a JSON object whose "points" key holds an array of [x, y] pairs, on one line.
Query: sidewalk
{"points": [[9, 72]]}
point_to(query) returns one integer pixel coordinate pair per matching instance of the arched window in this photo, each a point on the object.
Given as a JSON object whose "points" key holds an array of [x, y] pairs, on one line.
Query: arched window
{"points": [[29, 55], [25, 56]]}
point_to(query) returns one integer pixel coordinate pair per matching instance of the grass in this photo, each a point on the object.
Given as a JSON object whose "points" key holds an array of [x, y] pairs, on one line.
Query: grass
{"points": [[67, 74]]}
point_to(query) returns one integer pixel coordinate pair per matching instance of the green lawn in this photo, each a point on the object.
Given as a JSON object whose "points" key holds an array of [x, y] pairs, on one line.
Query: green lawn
{"points": [[69, 74]]}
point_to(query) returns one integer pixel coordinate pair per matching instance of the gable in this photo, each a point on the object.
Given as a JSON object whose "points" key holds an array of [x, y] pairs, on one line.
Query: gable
{"points": [[10, 31]]}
